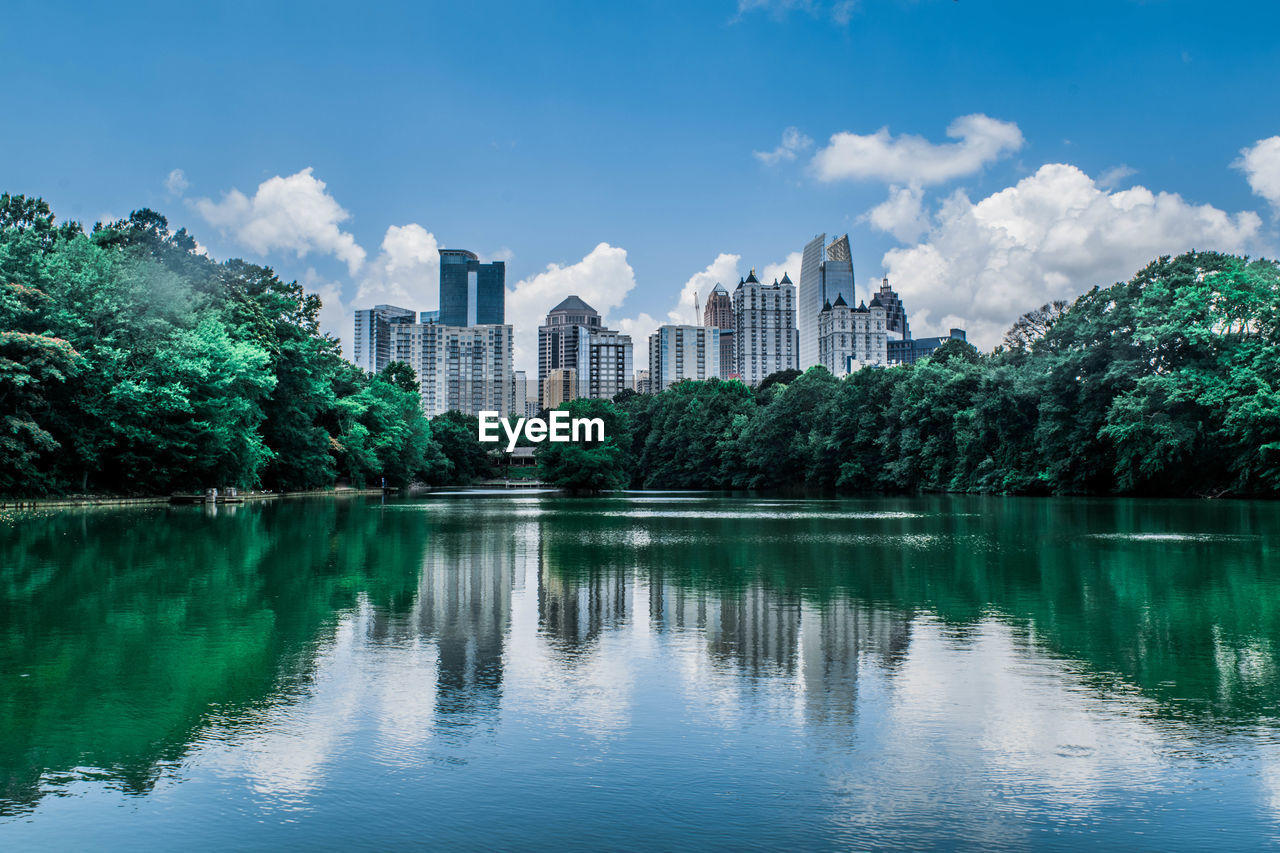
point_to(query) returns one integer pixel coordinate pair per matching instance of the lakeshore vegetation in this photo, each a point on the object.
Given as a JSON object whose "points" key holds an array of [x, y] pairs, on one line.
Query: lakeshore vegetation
{"points": [[131, 363]]}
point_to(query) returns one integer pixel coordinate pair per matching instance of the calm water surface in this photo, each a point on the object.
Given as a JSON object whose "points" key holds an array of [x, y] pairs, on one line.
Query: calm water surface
{"points": [[643, 671]]}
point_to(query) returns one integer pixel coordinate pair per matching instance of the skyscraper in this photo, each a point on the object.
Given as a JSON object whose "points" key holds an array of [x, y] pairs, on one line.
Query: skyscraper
{"points": [[471, 293], [821, 281], [683, 352], [573, 337], [371, 343], [463, 368], [764, 319], [719, 314], [895, 311]]}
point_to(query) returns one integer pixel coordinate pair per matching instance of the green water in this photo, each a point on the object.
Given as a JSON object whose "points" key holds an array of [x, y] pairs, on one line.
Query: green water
{"points": [[651, 671]]}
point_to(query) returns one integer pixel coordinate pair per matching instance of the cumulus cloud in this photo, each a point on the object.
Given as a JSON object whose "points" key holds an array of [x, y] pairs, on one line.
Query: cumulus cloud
{"points": [[603, 278], [1261, 166], [177, 182], [913, 160], [723, 270], [790, 265], [902, 214], [293, 213], [793, 142], [1052, 235]]}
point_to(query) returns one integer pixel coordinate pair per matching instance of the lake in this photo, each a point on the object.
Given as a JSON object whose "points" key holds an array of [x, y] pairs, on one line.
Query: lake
{"points": [[641, 671]]}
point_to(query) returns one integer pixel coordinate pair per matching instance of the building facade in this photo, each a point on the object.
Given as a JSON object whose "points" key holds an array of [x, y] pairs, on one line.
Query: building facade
{"points": [[911, 350], [642, 384], [719, 314], [826, 273], [371, 343], [561, 385], [852, 338], [471, 293], [764, 320], [574, 338], [683, 352], [462, 368], [895, 313]]}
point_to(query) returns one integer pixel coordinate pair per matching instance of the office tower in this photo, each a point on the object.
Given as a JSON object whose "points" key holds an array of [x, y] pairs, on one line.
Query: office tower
{"points": [[683, 352], [719, 313], [851, 338], [821, 281], [371, 344], [560, 386], [471, 293], [764, 319], [573, 337], [895, 312], [642, 385], [468, 369]]}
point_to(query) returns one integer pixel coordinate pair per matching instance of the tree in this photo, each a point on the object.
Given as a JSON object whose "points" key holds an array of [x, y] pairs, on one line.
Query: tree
{"points": [[589, 467]]}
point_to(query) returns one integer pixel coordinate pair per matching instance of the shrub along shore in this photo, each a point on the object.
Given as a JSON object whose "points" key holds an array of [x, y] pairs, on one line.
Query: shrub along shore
{"points": [[133, 364]]}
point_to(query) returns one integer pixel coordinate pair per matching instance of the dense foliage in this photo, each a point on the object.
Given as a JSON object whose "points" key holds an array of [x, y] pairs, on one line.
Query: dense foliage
{"points": [[132, 363], [1168, 384]]}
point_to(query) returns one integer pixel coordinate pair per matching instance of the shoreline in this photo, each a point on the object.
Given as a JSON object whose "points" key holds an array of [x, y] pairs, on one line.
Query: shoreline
{"points": [[153, 500]]}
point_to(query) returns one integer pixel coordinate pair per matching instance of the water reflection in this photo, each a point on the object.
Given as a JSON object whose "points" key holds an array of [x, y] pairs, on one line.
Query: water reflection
{"points": [[924, 654]]}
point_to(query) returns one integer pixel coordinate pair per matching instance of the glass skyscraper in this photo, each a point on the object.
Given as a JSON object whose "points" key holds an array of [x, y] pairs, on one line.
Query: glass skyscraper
{"points": [[821, 281], [471, 293]]}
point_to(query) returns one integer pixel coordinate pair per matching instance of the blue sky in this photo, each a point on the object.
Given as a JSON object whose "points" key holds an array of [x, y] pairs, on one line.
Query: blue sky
{"points": [[1106, 132]]}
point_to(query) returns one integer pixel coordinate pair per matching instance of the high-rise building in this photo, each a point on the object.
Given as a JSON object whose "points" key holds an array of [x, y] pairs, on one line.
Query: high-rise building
{"points": [[471, 293], [850, 338], [895, 313], [642, 384], [683, 352], [560, 386], [719, 314], [764, 319], [573, 337], [608, 364], [822, 280], [462, 368], [371, 343]]}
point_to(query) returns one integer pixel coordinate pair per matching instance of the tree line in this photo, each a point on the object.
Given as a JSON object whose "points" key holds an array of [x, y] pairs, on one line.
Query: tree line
{"points": [[131, 363], [1167, 384]]}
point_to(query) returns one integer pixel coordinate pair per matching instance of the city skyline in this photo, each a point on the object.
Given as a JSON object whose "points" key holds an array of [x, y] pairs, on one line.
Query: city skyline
{"points": [[918, 128]]}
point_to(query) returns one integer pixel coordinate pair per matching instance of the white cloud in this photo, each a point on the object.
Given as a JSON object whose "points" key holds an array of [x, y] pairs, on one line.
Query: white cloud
{"points": [[176, 183], [1051, 236], [913, 160], [639, 328], [1261, 166], [293, 213], [405, 273], [790, 266], [793, 142], [1112, 177], [602, 279], [723, 270], [902, 214]]}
